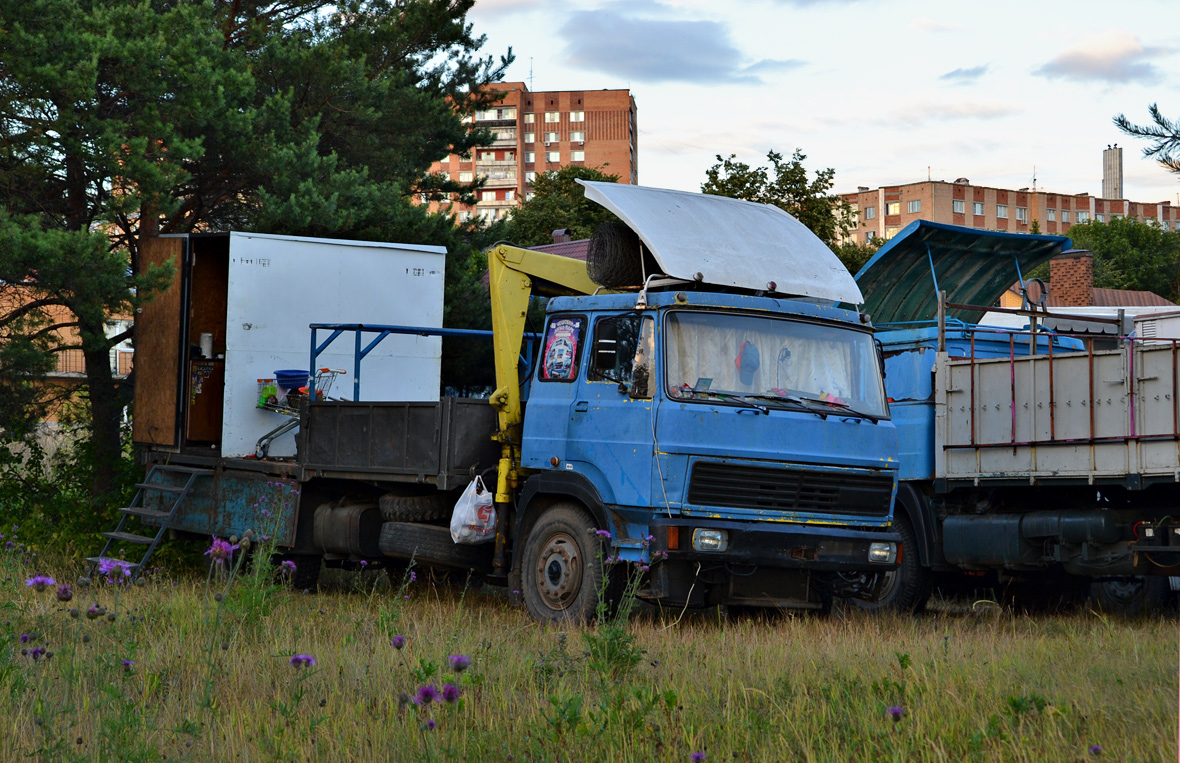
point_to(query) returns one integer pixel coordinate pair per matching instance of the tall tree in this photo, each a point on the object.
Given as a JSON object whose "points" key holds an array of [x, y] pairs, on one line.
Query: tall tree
{"points": [[557, 202], [785, 184], [121, 119], [1131, 254], [1164, 135]]}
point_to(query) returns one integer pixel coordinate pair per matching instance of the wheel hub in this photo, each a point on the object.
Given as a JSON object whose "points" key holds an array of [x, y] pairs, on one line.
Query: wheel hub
{"points": [[559, 572]]}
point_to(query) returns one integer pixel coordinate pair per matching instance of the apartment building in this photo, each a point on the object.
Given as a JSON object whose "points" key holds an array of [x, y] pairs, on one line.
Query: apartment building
{"points": [[884, 211], [540, 131]]}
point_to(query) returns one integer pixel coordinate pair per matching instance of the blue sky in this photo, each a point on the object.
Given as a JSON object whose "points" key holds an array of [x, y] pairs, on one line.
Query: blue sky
{"points": [[883, 91]]}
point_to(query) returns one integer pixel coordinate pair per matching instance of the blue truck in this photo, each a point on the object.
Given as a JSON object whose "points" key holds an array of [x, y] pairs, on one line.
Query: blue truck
{"points": [[719, 426], [1045, 458]]}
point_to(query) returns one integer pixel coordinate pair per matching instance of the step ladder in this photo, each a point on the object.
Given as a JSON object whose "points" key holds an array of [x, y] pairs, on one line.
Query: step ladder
{"points": [[176, 492]]}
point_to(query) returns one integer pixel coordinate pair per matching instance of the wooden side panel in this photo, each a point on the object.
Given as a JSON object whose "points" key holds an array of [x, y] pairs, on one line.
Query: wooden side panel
{"points": [[157, 350]]}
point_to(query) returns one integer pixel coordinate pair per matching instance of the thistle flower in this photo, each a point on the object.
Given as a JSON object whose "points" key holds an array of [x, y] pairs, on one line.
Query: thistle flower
{"points": [[64, 592], [95, 612], [39, 582], [399, 642], [426, 695], [459, 662], [413, 577], [128, 665], [364, 564], [26, 638], [37, 653], [302, 661], [698, 757], [429, 725], [896, 712], [450, 694], [603, 534], [8, 545], [1095, 749], [221, 551], [287, 567]]}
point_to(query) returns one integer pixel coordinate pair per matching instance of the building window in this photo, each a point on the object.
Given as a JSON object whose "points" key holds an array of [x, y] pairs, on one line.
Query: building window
{"points": [[1022, 214], [1051, 215], [552, 156], [1002, 211], [577, 156], [509, 113], [890, 233], [530, 137], [530, 176], [893, 208], [529, 196], [1065, 215], [1098, 218], [530, 118], [870, 213], [914, 206], [869, 236], [578, 135], [466, 177], [1083, 217], [487, 196], [530, 157], [959, 206], [977, 208], [550, 137], [510, 195], [464, 217], [487, 156], [552, 116], [577, 116]]}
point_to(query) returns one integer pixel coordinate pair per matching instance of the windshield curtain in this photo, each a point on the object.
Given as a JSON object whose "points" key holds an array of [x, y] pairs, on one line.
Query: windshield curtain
{"points": [[711, 355]]}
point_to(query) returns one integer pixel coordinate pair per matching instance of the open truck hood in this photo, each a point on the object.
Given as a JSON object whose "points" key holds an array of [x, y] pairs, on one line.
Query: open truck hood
{"points": [[974, 267], [728, 241]]}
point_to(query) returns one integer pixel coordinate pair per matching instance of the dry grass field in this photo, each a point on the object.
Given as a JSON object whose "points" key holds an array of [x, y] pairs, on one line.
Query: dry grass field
{"points": [[178, 674]]}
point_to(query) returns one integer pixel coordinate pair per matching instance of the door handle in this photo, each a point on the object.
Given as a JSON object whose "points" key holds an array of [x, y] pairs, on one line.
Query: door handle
{"points": [[581, 405]]}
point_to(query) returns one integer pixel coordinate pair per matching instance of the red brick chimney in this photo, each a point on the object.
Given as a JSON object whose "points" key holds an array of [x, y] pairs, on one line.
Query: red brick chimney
{"points": [[1071, 277]]}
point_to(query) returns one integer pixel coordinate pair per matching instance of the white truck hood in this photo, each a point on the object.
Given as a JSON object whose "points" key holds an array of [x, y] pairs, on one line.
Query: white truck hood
{"points": [[728, 241]]}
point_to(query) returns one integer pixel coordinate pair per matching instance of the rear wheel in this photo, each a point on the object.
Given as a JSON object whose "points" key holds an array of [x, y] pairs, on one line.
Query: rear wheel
{"points": [[1131, 596], [907, 588], [413, 508], [561, 568]]}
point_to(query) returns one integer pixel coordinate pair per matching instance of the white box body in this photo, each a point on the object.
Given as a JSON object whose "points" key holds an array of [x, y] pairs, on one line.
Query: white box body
{"points": [[278, 285]]}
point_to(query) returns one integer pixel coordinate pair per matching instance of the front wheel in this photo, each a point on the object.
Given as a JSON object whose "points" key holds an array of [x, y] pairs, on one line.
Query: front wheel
{"points": [[561, 568], [907, 588], [1131, 596]]}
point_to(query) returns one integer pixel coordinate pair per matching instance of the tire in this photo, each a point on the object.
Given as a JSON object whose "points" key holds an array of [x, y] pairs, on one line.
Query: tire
{"points": [[432, 546], [1131, 596], [414, 508], [906, 589], [561, 567]]}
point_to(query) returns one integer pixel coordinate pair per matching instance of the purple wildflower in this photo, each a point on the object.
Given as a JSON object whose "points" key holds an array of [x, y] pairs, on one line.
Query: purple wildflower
{"points": [[603, 534], [450, 694], [287, 567], [128, 665], [426, 695], [113, 567], [25, 638], [8, 545], [896, 712], [39, 582], [37, 653], [698, 757], [399, 642], [64, 592], [1095, 749], [364, 564], [221, 551], [265, 512], [430, 725], [459, 662], [413, 576], [302, 661], [94, 612]]}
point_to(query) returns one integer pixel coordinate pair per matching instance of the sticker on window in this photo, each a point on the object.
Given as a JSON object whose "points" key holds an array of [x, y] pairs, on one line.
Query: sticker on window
{"points": [[561, 349]]}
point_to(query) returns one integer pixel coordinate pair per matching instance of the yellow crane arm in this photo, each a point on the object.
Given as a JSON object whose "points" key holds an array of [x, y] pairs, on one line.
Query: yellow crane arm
{"points": [[514, 275]]}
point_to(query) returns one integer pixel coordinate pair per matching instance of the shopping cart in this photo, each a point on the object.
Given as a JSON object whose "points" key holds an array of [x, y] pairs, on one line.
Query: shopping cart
{"points": [[285, 402]]}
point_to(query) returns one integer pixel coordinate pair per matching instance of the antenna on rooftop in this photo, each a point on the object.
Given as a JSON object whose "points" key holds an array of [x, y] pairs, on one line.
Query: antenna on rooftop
{"points": [[530, 72], [1034, 178]]}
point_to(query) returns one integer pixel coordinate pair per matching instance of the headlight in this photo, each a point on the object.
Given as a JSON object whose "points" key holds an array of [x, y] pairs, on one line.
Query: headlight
{"points": [[882, 553], [710, 540]]}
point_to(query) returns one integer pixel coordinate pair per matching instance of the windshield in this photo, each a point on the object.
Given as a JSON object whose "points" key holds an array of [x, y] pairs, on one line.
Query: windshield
{"points": [[825, 368]]}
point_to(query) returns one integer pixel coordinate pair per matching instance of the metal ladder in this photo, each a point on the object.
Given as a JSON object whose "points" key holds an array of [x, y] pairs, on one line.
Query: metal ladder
{"points": [[138, 510]]}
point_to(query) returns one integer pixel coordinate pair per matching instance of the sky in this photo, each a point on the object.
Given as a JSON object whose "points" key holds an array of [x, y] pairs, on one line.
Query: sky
{"points": [[882, 91]]}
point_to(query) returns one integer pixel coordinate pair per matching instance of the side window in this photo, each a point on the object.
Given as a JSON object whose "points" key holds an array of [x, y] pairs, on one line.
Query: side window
{"points": [[624, 352], [615, 340], [562, 349]]}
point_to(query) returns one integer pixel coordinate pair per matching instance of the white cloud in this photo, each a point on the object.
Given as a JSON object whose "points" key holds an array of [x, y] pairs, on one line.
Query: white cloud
{"points": [[930, 25], [917, 113], [1114, 55]]}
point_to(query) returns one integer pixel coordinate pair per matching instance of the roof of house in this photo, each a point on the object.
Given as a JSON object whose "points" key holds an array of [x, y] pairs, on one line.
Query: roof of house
{"points": [[577, 250], [1125, 298]]}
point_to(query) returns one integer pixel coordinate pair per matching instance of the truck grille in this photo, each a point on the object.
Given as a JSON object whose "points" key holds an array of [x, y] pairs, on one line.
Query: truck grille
{"points": [[770, 488]]}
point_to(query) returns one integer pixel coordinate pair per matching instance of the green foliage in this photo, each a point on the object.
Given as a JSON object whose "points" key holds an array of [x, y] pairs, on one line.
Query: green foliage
{"points": [[1164, 135], [854, 255], [785, 184], [1131, 254], [558, 202]]}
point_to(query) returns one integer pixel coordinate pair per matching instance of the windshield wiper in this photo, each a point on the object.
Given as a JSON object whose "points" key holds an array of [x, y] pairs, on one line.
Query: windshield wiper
{"points": [[843, 406], [727, 396]]}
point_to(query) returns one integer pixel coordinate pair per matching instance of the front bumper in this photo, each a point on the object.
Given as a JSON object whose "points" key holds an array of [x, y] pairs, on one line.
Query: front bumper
{"points": [[778, 545]]}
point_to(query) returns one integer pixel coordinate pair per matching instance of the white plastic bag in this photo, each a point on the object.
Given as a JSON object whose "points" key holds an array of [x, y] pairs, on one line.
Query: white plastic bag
{"points": [[474, 518]]}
